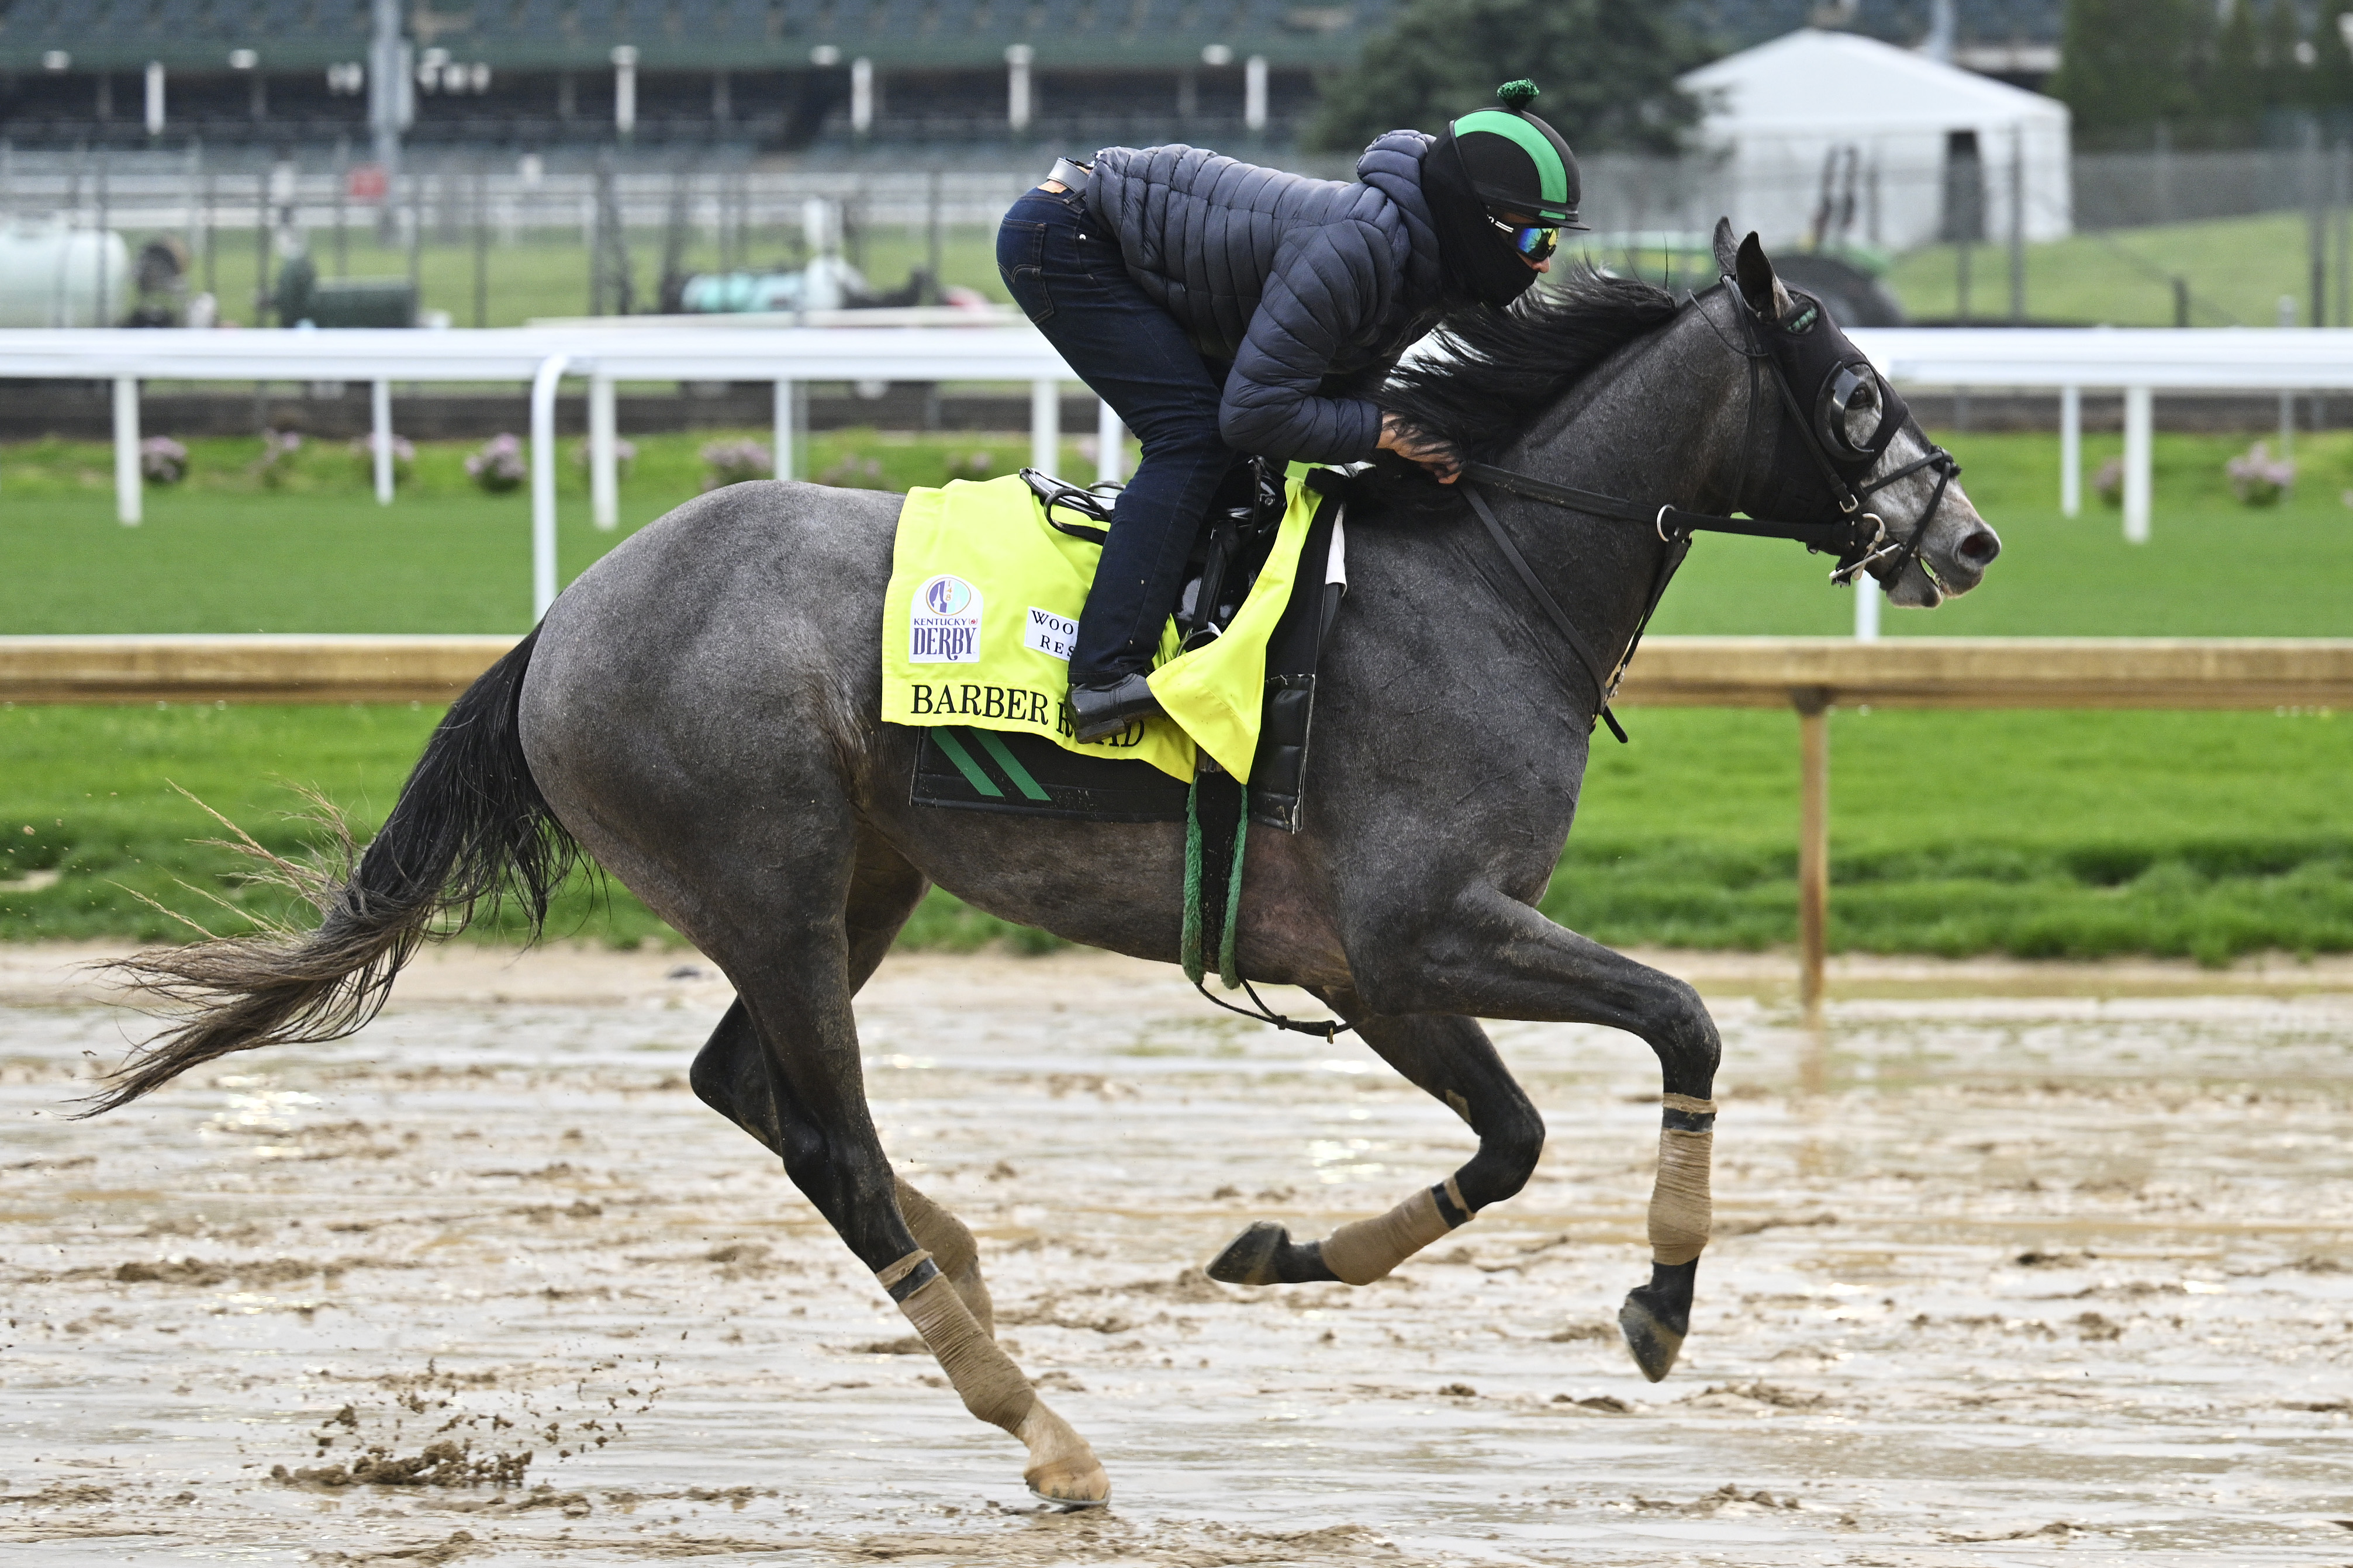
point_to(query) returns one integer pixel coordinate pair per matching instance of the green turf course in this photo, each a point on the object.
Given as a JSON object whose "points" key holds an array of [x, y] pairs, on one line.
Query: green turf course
{"points": [[2237, 270], [546, 275], [2042, 834]]}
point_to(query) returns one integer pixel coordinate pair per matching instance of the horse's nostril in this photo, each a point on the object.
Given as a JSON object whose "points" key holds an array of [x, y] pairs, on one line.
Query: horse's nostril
{"points": [[1981, 546]]}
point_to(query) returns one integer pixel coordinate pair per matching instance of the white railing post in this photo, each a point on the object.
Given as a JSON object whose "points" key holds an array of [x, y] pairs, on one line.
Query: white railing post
{"points": [[128, 498], [786, 393], [1046, 425], [380, 438], [2071, 451], [1110, 462], [543, 483], [604, 464], [1867, 609], [2139, 462]]}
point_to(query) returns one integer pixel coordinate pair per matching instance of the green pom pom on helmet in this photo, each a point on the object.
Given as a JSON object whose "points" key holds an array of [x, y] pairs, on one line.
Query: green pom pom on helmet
{"points": [[1516, 96], [1515, 162]]}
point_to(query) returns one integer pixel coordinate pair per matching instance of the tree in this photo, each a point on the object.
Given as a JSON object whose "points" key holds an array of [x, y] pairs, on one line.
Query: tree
{"points": [[2332, 72], [2236, 87], [1607, 69], [2287, 79], [2125, 66]]}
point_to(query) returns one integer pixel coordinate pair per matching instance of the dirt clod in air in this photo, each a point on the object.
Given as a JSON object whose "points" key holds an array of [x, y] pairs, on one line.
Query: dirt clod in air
{"points": [[443, 1464]]}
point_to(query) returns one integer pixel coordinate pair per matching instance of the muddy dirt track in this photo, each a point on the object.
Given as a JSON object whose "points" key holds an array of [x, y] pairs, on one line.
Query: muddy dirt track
{"points": [[1998, 1279]]}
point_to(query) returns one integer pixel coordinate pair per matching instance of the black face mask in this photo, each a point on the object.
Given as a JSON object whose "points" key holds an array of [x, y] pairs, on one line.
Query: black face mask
{"points": [[1845, 412], [1478, 261]]}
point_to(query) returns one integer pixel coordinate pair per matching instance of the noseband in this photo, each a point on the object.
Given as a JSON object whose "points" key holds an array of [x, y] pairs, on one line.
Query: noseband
{"points": [[1856, 536]]}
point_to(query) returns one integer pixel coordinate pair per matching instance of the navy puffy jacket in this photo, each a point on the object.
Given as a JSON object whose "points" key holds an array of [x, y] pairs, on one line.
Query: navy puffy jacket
{"points": [[1304, 286]]}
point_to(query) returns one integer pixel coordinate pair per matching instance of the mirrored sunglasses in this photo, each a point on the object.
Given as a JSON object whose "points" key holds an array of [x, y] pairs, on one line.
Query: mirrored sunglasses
{"points": [[1534, 243]]}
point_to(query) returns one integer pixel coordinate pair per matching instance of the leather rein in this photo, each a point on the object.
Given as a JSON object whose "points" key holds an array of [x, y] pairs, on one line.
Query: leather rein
{"points": [[1857, 536]]}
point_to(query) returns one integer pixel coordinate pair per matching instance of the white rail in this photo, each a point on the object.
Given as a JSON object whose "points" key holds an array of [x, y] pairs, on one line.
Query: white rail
{"points": [[541, 356], [2139, 363]]}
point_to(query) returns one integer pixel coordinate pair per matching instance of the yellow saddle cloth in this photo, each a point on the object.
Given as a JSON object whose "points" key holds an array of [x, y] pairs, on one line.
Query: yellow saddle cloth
{"points": [[984, 602]]}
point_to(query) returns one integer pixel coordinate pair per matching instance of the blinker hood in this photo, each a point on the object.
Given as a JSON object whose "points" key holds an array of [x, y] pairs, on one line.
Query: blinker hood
{"points": [[1848, 410]]}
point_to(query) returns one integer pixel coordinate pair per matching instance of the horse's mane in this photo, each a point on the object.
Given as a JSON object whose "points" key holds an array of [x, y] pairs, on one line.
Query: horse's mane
{"points": [[1494, 372]]}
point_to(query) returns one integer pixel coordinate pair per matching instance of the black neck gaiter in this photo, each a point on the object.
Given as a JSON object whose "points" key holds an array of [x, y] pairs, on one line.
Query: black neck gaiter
{"points": [[1478, 261]]}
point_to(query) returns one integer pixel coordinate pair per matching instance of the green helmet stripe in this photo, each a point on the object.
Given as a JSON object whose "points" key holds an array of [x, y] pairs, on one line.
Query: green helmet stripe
{"points": [[1551, 177]]}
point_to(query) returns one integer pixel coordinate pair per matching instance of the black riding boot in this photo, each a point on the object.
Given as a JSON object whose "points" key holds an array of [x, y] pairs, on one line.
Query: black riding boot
{"points": [[1099, 712]]}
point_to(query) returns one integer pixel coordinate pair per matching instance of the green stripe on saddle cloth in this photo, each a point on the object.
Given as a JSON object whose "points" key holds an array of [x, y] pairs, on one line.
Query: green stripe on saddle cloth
{"points": [[985, 599]]}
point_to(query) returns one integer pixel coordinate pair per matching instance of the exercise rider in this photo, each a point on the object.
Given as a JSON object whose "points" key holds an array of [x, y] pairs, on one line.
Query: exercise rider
{"points": [[1223, 309]]}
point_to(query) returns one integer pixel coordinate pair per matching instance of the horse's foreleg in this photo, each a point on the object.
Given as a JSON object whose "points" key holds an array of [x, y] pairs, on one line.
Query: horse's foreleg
{"points": [[1495, 957], [1451, 1060]]}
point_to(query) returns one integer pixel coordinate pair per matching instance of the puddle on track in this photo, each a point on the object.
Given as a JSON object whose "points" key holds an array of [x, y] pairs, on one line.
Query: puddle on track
{"points": [[1996, 1281]]}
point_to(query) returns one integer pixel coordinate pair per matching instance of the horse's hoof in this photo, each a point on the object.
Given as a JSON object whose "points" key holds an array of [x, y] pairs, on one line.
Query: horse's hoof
{"points": [[1249, 1257], [1657, 1316], [1064, 1472], [1077, 1504], [1655, 1345]]}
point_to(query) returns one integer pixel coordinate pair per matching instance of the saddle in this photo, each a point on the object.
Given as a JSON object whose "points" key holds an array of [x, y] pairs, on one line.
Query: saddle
{"points": [[975, 769]]}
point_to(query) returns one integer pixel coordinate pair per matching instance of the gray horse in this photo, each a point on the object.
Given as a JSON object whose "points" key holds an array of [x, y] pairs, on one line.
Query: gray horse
{"points": [[699, 712]]}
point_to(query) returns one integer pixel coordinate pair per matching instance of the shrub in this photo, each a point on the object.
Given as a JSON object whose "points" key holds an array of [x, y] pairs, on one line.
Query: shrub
{"points": [[733, 462], [855, 473], [2258, 478], [277, 459], [404, 457], [498, 468], [2109, 482], [625, 457], [163, 461]]}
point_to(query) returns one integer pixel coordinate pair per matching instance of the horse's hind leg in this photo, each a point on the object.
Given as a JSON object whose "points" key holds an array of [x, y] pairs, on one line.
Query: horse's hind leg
{"points": [[731, 1075], [1451, 1059], [789, 1048]]}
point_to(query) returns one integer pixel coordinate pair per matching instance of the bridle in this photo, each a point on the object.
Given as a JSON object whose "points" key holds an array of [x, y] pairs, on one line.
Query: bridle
{"points": [[1856, 535]]}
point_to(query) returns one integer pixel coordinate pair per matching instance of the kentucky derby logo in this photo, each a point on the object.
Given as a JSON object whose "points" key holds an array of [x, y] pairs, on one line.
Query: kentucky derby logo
{"points": [[945, 623]]}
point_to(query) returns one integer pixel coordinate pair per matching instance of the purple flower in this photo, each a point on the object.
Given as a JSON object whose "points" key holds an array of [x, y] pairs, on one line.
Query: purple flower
{"points": [[733, 462], [2258, 478], [499, 468], [163, 461]]}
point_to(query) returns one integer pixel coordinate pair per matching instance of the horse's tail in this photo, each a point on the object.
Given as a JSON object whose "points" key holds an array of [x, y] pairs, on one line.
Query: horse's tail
{"points": [[470, 827]]}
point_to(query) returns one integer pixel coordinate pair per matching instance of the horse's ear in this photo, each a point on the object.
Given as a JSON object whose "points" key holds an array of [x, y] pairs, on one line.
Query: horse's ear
{"points": [[1726, 248], [1753, 271]]}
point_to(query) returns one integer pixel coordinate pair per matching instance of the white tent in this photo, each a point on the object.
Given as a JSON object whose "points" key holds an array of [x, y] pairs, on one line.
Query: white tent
{"points": [[1892, 148]]}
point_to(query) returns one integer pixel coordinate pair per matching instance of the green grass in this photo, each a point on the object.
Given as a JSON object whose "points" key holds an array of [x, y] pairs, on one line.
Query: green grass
{"points": [[2036, 834], [2039, 834], [2045, 835], [226, 551], [2237, 269], [2213, 568], [547, 275]]}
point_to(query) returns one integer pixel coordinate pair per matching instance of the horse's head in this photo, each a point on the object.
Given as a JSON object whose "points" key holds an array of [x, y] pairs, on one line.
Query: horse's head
{"points": [[1845, 439]]}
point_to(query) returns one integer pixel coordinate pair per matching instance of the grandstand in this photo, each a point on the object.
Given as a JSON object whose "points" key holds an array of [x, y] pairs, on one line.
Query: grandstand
{"points": [[774, 75]]}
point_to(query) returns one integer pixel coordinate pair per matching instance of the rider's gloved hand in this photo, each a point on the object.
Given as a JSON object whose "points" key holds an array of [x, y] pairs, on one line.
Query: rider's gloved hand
{"points": [[1437, 459]]}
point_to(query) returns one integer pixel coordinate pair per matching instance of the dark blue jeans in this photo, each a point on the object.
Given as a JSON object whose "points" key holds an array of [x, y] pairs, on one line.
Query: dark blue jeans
{"points": [[1067, 276]]}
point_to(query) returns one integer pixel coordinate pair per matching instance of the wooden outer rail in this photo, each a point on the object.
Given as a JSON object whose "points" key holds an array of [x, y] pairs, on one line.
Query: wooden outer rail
{"points": [[255, 669], [1810, 675]]}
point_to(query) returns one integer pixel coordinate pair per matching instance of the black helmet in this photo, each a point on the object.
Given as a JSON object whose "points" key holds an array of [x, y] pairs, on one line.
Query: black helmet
{"points": [[1515, 162]]}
